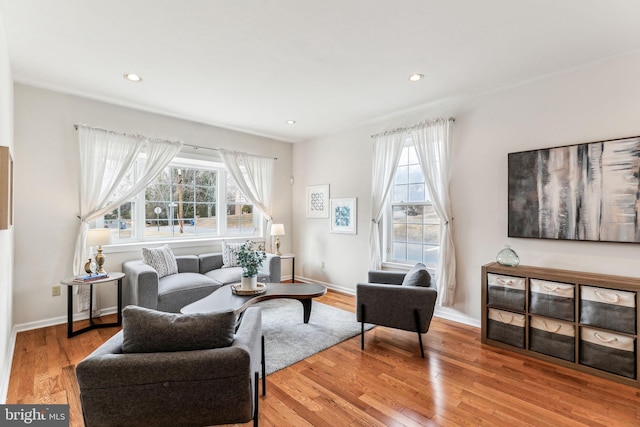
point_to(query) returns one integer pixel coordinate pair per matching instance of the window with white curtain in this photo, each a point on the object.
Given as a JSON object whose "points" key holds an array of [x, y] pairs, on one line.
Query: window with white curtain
{"points": [[411, 223], [188, 199]]}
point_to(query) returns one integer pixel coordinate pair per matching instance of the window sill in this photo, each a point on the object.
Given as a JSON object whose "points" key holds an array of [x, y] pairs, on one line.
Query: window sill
{"points": [[396, 266], [177, 243]]}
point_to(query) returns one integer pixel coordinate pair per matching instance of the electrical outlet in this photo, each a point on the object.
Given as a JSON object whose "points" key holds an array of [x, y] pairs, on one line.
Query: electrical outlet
{"points": [[55, 291], [322, 264]]}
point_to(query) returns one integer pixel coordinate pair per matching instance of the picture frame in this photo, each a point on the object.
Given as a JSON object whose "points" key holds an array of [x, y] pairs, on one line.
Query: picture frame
{"points": [[581, 192], [6, 188], [318, 201], [344, 215]]}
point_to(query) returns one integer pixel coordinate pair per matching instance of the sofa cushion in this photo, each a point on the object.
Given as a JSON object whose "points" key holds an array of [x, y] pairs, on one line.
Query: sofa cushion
{"points": [[149, 331], [417, 276], [230, 254], [177, 290], [161, 259]]}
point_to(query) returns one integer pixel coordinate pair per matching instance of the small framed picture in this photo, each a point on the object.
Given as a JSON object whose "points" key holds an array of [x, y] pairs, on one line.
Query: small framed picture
{"points": [[344, 215], [318, 201]]}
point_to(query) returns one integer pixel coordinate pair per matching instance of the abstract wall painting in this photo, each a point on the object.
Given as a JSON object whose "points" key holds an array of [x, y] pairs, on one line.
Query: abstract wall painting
{"points": [[344, 215], [585, 192], [318, 201]]}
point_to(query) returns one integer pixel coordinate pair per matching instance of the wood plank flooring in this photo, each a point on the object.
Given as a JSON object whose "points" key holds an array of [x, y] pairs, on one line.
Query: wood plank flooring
{"points": [[460, 382]]}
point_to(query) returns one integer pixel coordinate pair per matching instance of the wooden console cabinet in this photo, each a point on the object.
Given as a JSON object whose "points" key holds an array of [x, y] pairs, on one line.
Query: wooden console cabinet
{"points": [[585, 321]]}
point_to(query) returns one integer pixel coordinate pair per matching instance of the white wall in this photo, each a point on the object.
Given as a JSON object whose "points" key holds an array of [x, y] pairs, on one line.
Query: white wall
{"points": [[6, 236], [46, 189], [595, 102]]}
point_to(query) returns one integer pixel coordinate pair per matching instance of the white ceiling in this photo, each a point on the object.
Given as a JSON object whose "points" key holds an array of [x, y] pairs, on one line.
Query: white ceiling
{"points": [[251, 65]]}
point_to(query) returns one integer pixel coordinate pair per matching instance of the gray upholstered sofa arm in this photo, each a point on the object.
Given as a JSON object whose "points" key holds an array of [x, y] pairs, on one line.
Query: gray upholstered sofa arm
{"points": [[388, 305], [140, 285], [272, 266], [249, 336], [170, 387]]}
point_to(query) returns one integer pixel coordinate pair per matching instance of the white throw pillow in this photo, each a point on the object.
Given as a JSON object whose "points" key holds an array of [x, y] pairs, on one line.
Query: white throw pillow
{"points": [[161, 259], [230, 254]]}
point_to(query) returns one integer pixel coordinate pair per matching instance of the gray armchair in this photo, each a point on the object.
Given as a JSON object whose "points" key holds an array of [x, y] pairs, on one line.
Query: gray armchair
{"points": [[199, 387], [397, 300]]}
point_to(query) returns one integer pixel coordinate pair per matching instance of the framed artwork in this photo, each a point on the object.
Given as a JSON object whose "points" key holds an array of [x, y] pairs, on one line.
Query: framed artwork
{"points": [[344, 215], [584, 192], [318, 201], [6, 188]]}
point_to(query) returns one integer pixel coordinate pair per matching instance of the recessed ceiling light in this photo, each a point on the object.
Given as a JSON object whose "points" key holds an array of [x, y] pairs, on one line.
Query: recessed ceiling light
{"points": [[416, 77], [132, 77], [291, 122]]}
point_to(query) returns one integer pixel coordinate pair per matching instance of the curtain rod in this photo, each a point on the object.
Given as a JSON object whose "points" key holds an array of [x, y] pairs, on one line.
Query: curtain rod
{"points": [[405, 129], [194, 147]]}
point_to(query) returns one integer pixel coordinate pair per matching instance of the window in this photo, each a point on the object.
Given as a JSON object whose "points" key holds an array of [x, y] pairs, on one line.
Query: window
{"points": [[184, 202], [412, 223]]}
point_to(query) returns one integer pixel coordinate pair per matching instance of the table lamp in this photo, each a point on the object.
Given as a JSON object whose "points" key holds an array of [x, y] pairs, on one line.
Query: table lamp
{"points": [[277, 230], [98, 237]]}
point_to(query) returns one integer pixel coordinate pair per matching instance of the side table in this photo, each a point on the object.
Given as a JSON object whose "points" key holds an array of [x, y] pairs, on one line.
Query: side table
{"points": [[70, 283], [292, 257]]}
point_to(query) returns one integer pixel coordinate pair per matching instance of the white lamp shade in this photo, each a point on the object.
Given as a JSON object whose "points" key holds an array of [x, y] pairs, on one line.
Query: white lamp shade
{"points": [[98, 236], [277, 230]]}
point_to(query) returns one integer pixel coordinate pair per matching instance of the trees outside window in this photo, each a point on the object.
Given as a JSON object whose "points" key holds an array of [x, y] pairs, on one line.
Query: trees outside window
{"points": [[182, 202]]}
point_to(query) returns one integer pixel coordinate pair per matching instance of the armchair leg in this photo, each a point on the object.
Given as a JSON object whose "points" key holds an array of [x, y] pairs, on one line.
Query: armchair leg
{"points": [[264, 371], [416, 316], [362, 326], [256, 399]]}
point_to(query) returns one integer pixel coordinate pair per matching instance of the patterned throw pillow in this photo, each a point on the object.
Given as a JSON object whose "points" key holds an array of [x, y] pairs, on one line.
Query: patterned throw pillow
{"points": [[161, 259], [230, 254]]}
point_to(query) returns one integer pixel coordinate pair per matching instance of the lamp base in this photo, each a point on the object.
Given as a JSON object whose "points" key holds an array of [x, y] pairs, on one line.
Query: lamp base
{"points": [[100, 258]]}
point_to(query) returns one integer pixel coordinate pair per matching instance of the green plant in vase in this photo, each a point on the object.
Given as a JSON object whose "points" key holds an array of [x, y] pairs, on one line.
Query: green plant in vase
{"points": [[250, 260]]}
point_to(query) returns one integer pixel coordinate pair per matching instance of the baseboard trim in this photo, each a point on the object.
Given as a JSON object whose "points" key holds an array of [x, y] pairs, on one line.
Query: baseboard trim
{"points": [[328, 285], [61, 319], [455, 316]]}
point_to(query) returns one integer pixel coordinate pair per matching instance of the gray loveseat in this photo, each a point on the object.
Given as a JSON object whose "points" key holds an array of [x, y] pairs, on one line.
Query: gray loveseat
{"points": [[130, 381], [197, 277]]}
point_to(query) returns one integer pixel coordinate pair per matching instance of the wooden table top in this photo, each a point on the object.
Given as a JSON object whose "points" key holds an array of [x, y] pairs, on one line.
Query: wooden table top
{"points": [[224, 299]]}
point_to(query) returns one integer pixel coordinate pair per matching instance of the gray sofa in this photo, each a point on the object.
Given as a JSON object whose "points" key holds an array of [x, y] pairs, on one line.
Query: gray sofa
{"points": [[197, 277], [174, 388]]}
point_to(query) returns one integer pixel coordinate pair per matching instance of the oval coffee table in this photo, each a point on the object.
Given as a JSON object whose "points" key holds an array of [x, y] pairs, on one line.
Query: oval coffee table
{"points": [[223, 299]]}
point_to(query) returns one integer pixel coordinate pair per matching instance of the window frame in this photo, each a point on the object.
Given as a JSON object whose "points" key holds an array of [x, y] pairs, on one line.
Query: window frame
{"points": [[387, 223], [138, 238]]}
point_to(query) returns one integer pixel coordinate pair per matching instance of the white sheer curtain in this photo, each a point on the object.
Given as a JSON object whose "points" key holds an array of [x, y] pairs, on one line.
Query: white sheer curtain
{"points": [[254, 176], [432, 140], [107, 160], [387, 148]]}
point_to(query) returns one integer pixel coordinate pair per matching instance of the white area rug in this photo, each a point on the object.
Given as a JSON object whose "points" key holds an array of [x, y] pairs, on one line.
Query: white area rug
{"points": [[288, 339]]}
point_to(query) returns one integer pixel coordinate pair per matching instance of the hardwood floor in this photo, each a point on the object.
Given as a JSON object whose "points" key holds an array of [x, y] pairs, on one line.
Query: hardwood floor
{"points": [[459, 383]]}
